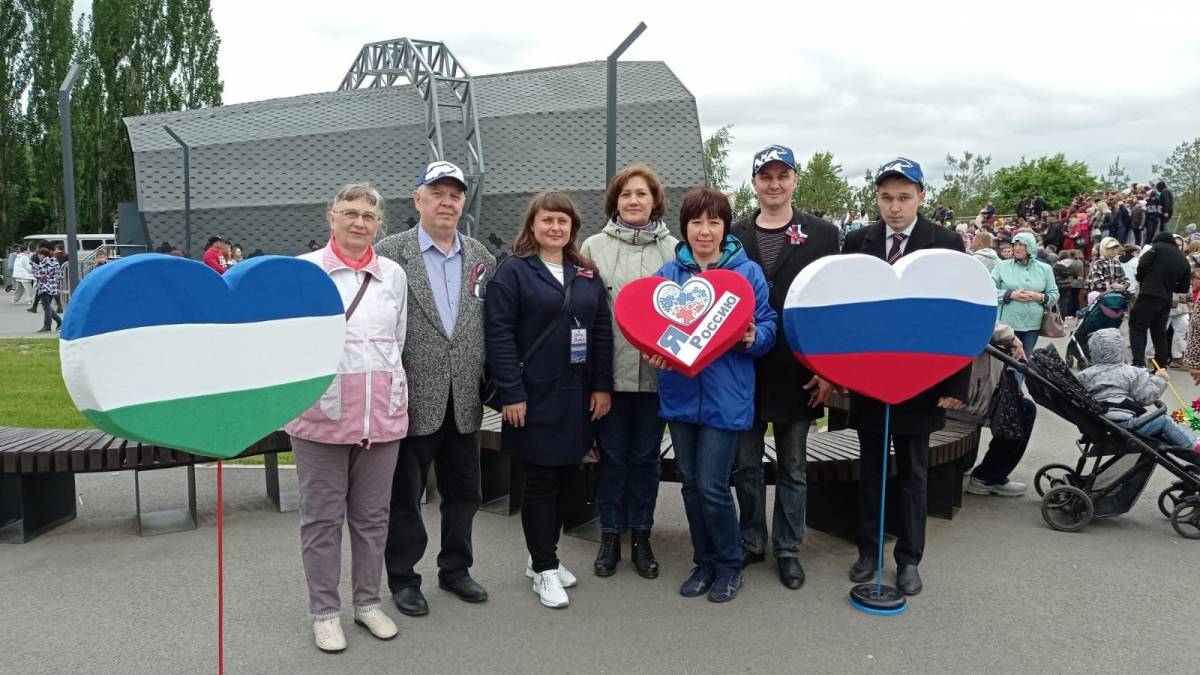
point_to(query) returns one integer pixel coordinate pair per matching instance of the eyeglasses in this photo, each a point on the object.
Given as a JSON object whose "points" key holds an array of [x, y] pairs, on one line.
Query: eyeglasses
{"points": [[368, 217]]}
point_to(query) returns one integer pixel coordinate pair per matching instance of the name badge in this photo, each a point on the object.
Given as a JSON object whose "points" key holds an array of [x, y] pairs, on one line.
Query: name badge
{"points": [[578, 345]]}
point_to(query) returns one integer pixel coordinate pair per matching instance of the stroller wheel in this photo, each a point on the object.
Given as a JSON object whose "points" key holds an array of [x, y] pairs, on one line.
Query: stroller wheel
{"points": [[1186, 518], [1171, 497], [1066, 508], [1051, 476]]}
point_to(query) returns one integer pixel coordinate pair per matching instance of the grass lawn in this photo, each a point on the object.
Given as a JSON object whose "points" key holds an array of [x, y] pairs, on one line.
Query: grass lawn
{"points": [[35, 395]]}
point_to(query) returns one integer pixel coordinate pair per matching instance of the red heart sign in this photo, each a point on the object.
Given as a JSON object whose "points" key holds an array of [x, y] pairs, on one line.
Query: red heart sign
{"points": [[688, 324]]}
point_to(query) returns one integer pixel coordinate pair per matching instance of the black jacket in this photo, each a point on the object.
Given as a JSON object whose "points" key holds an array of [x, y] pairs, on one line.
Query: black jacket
{"points": [[920, 414], [1166, 204], [523, 297], [1053, 235], [1039, 204], [1122, 219], [1164, 269], [779, 396]]}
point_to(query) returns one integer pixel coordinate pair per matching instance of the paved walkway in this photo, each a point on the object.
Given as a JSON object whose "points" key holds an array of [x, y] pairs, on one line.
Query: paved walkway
{"points": [[16, 322], [1004, 593]]}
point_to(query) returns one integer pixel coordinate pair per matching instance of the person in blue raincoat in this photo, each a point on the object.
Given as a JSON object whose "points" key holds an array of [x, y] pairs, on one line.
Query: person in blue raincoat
{"points": [[706, 413]]}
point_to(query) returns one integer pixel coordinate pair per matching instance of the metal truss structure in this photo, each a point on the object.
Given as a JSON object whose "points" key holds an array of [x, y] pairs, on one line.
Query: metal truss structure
{"points": [[442, 82]]}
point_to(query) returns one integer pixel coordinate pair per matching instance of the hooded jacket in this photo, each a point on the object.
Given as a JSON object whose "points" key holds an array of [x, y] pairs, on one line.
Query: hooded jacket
{"points": [[1164, 269], [1110, 380], [1031, 275], [721, 395], [987, 256], [623, 254]]}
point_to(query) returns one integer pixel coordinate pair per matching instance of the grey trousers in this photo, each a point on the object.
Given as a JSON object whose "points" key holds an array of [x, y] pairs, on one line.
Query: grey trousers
{"points": [[343, 482]]}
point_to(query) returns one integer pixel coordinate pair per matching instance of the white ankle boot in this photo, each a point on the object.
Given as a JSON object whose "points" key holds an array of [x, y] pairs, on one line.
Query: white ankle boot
{"points": [[564, 575], [328, 634], [550, 589], [374, 620]]}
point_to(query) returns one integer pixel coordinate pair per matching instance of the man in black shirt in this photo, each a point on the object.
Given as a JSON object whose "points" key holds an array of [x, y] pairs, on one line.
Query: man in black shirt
{"points": [[787, 395]]}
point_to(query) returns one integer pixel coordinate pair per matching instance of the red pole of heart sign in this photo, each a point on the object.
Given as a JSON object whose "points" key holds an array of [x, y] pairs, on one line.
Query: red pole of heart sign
{"points": [[688, 324]]}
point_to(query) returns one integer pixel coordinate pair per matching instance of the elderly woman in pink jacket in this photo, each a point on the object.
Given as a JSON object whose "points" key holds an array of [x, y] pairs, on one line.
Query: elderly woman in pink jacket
{"points": [[346, 444]]}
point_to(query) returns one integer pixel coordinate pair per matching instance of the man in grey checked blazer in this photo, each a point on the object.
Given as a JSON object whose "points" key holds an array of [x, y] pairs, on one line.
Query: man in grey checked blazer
{"points": [[443, 358]]}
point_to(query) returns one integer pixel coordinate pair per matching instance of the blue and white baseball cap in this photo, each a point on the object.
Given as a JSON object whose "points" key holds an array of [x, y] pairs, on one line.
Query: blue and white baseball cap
{"points": [[773, 153], [439, 170], [903, 167]]}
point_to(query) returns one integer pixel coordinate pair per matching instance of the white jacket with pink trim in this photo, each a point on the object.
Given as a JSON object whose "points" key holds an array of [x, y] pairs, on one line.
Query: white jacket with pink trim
{"points": [[369, 396]]}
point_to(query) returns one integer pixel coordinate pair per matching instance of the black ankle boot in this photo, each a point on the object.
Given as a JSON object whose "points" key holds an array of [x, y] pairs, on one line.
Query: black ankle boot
{"points": [[642, 555], [610, 553]]}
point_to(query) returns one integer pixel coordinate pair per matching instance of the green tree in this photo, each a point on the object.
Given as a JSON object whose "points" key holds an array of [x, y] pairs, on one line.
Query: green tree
{"points": [[745, 201], [1056, 178], [198, 80], [863, 198], [14, 78], [968, 184], [1116, 177], [716, 158], [1181, 171], [51, 46], [820, 187]]}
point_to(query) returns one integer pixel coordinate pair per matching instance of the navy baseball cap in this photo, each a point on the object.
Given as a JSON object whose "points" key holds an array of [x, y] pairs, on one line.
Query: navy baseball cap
{"points": [[903, 167], [439, 170], [773, 153]]}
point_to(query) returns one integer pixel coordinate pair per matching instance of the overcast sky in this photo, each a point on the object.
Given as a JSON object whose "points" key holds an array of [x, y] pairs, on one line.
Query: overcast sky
{"points": [[865, 80]]}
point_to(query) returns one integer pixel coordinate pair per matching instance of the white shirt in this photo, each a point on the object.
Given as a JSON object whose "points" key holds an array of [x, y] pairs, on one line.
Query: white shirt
{"points": [[556, 270], [907, 232]]}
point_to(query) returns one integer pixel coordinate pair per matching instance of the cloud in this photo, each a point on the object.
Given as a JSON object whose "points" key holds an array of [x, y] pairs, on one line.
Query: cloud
{"points": [[864, 80]]}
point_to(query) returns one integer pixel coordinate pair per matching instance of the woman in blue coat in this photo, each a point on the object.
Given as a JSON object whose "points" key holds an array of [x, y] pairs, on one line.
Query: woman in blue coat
{"points": [[551, 399], [707, 412]]}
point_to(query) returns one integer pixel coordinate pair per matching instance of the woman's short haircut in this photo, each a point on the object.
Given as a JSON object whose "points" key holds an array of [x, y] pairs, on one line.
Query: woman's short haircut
{"points": [[618, 184], [982, 239], [704, 201], [363, 190]]}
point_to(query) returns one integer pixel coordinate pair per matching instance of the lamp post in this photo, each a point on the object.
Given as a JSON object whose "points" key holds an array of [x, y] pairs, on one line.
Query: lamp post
{"points": [[68, 166], [187, 191], [610, 164]]}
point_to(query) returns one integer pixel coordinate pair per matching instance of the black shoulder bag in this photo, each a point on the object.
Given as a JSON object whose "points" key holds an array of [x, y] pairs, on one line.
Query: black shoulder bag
{"points": [[488, 393]]}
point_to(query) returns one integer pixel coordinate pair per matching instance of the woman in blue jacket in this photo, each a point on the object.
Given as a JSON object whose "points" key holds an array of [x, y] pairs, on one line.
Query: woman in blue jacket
{"points": [[551, 395], [705, 413]]}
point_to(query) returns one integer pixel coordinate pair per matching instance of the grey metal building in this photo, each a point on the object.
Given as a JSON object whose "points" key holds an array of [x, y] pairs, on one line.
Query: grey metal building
{"points": [[261, 172]]}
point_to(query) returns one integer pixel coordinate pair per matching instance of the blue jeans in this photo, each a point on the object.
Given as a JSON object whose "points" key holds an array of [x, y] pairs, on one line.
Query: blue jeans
{"points": [[791, 488], [1028, 340], [704, 456], [1164, 429], [630, 438]]}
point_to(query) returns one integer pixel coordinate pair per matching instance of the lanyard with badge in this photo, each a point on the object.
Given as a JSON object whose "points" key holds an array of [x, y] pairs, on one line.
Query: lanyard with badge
{"points": [[578, 352]]}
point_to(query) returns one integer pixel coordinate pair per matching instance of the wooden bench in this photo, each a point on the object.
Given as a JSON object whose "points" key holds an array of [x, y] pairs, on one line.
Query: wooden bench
{"points": [[833, 473], [38, 467]]}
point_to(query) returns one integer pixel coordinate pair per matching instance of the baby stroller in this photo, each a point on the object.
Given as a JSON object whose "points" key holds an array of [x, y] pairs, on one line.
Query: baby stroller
{"points": [[1107, 312], [1114, 463]]}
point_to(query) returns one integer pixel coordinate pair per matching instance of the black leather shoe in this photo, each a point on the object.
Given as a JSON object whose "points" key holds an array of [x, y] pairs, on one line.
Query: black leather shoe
{"points": [[642, 555], [410, 601], [791, 572], [465, 588], [750, 557], [862, 569], [908, 580], [610, 553]]}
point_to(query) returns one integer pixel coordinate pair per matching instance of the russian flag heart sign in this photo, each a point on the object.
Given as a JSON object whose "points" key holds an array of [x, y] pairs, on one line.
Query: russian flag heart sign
{"points": [[890, 332], [164, 350], [688, 324]]}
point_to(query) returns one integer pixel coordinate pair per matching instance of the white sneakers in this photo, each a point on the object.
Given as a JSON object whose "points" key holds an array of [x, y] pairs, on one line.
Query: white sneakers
{"points": [[328, 634], [564, 575], [1009, 489], [374, 620], [550, 589], [330, 638]]}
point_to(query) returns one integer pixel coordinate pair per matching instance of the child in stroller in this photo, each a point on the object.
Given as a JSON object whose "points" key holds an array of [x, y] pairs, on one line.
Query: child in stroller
{"points": [[1126, 390], [1108, 311]]}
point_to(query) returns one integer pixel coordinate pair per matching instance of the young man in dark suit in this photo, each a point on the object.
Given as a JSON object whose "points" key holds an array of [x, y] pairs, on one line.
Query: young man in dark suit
{"points": [[783, 241], [899, 192]]}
